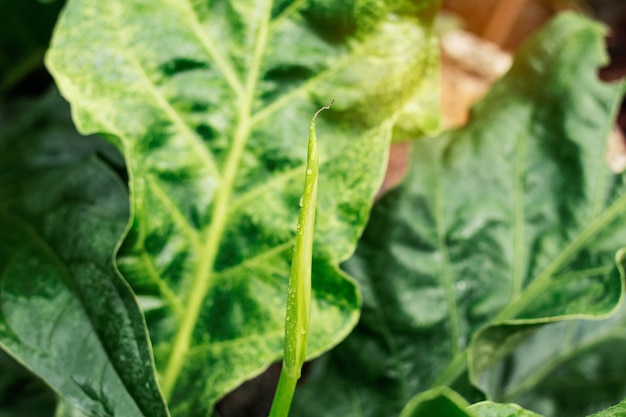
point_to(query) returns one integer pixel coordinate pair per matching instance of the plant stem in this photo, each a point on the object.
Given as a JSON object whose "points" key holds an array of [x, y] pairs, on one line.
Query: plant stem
{"points": [[284, 394]]}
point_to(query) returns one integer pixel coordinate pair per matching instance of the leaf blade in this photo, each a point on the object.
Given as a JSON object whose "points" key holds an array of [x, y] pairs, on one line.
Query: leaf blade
{"points": [[59, 281], [217, 94]]}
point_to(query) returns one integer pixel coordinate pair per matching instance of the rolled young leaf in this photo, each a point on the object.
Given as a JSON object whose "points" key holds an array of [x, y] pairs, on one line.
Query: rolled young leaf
{"points": [[298, 314], [207, 101], [64, 311]]}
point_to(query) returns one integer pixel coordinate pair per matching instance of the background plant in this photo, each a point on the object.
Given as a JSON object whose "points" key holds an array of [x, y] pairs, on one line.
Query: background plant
{"points": [[500, 239]]}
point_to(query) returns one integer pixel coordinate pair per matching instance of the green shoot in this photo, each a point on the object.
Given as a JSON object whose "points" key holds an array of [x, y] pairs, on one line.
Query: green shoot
{"points": [[299, 293]]}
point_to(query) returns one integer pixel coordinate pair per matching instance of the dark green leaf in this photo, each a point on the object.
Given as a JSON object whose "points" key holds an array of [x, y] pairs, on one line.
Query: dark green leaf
{"points": [[618, 410], [21, 393], [25, 29], [513, 217], [210, 103], [569, 368], [65, 409], [64, 312]]}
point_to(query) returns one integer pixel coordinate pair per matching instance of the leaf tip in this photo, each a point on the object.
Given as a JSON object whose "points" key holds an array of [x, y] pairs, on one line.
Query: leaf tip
{"points": [[326, 107]]}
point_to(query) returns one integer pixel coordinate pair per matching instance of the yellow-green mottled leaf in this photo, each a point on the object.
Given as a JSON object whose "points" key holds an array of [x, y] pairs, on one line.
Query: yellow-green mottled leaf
{"points": [[210, 102]]}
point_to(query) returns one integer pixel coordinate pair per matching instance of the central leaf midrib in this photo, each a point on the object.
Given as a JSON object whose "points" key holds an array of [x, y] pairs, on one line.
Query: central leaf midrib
{"points": [[213, 236], [519, 257], [447, 280]]}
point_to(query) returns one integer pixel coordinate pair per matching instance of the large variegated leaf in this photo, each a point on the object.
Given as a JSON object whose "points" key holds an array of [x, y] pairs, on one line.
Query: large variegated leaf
{"points": [[210, 103], [64, 311], [514, 219]]}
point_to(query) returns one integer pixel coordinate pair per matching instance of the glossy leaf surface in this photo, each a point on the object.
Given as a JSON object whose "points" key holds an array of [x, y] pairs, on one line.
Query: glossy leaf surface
{"points": [[570, 368], [618, 410], [512, 219], [209, 102], [490, 409], [64, 311]]}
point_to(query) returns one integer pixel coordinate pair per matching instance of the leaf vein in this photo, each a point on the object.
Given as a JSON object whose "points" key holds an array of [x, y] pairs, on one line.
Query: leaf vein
{"points": [[518, 216], [202, 348], [354, 56], [203, 275], [259, 258], [264, 187], [172, 114], [543, 279], [173, 209], [209, 45]]}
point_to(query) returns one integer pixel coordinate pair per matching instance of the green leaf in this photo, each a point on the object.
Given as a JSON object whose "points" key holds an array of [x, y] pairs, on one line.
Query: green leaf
{"points": [[64, 409], [618, 410], [64, 312], [438, 402], [21, 393], [209, 103], [569, 368], [490, 409], [443, 402], [513, 219]]}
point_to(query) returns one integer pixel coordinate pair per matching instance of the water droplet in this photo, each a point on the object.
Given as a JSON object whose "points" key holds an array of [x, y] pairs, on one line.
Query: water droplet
{"points": [[301, 203], [309, 171]]}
